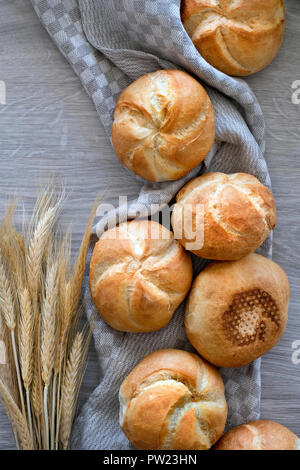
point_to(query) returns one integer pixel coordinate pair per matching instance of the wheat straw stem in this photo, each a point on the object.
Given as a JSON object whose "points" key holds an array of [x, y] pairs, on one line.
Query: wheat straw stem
{"points": [[29, 415], [53, 411], [16, 439], [36, 391], [46, 417]]}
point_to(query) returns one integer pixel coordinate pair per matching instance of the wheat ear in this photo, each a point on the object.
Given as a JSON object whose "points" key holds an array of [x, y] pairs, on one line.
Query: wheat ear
{"points": [[81, 261], [26, 348], [8, 309], [36, 250], [15, 415], [13, 246], [69, 389], [49, 337], [6, 299], [49, 310]]}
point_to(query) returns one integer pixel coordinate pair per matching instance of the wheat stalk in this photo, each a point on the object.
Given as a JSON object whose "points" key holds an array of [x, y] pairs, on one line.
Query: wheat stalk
{"points": [[39, 325], [36, 392], [26, 348], [6, 299], [25, 338], [48, 347], [69, 389], [36, 249], [81, 261], [8, 309], [16, 417]]}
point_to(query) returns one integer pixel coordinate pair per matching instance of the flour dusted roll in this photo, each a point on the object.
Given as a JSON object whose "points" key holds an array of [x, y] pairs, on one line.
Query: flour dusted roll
{"points": [[138, 276], [173, 400], [238, 37], [237, 310], [163, 126], [259, 435], [239, 213]]}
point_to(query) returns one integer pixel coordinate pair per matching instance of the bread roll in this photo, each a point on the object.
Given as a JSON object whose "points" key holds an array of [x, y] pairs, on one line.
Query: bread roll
{"points": [[163, 126], [173, 400], [237, 37], [259, 435], [237, 310], [238, 214], [138, 276]]}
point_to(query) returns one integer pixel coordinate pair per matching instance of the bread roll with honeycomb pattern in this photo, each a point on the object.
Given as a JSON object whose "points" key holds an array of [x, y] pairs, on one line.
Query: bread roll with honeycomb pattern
{"points": [[238, 37], [237, 310], [164, 125], [239, 213], [138, 276], [259, 435], [173, 400]]}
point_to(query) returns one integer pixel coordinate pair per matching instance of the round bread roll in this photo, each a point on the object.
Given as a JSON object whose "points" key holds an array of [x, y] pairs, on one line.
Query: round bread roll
{"points": [[173, 400], [259, 435], [138, 276], [237, 37], [164, 125], [237, 310], [223, 217]]}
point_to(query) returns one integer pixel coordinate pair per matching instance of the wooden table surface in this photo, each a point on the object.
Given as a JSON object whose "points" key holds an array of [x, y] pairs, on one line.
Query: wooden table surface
{"points": [[49, 124]]}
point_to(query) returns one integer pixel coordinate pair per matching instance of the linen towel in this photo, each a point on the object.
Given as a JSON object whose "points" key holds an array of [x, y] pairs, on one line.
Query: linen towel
{"points": [[109, 44]]}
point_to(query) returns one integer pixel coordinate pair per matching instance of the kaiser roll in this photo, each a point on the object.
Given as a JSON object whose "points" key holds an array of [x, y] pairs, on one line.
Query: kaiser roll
{"points": [[173, 400], [237, 310], [236, 212], [163, 126], [237, 37], [259, 435], [138, 276]]}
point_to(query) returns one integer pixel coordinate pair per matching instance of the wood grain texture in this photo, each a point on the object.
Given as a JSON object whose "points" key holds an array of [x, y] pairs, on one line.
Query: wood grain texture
{"points": [[49, 125]]}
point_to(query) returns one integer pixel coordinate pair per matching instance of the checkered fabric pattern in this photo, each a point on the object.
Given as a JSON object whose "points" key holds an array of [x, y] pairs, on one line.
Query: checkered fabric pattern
{"points": [[109, 43]]}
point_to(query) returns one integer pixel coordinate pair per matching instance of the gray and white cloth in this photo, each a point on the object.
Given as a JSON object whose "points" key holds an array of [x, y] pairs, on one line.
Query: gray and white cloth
{"points": [[110, 43]]}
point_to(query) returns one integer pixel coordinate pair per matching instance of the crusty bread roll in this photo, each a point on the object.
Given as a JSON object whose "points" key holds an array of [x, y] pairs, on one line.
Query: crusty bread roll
{"points": [[238, 214], [163, 126], [237, 310], [237, 37], [259, 435], [138, 276], [173, 400]]}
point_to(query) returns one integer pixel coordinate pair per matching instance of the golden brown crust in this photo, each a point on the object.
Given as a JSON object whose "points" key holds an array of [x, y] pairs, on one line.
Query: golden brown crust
{"points": [[164, 125], [239, 213], [237, 310], [237, 37], [138, 276], [173, 400], [258, 435]]}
